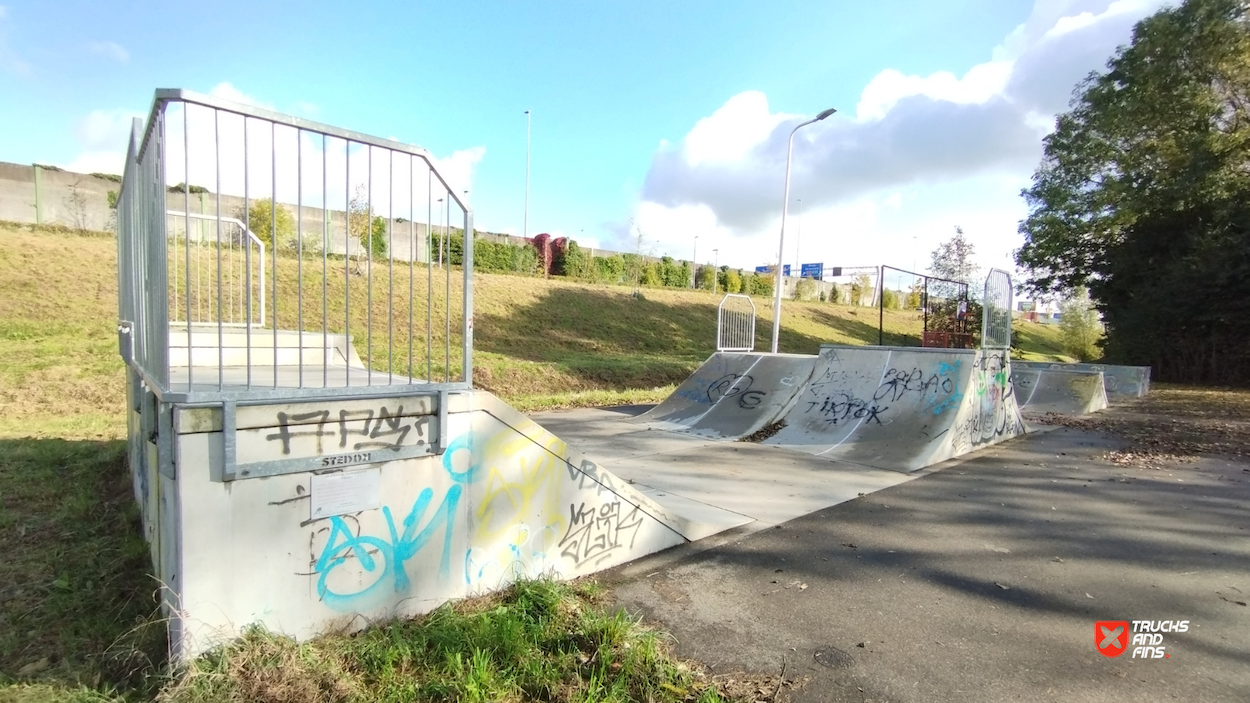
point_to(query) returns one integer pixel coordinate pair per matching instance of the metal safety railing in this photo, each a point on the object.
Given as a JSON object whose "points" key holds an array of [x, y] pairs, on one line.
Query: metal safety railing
{"points": [[307, 270], [996, 311], [735, 324], [245, 273]]}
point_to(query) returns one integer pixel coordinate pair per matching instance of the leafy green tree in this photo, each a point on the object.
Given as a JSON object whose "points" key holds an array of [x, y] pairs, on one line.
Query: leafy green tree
{"points": [[378, 239], [261, 219], [953, 261], [1079, 326], [706, 277], [651, 275], [1143, 194], [861, 286], [733, 281]]}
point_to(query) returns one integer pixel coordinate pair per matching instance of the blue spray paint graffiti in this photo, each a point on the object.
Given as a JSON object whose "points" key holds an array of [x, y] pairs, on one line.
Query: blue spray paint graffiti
{"points": [[387, 557]]}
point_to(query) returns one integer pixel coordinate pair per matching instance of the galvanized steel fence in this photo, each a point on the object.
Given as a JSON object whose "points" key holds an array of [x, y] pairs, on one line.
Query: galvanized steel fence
{"points": [[996, 311], [735, 324], [266, 256]]}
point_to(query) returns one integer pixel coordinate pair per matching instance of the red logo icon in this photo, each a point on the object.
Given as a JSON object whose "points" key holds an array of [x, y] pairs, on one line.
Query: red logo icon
{"points": [[1111, 637]]}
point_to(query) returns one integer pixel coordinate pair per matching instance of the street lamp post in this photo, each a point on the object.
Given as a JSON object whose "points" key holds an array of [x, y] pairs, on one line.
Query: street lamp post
{"points": [[694, 261], [781, 240], [526, 231], [715, 268], [798, 237]]}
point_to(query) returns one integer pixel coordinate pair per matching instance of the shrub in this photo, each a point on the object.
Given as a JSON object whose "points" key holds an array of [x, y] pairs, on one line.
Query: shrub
{"points": [[262, 217], [733, 282], [805, 289]]}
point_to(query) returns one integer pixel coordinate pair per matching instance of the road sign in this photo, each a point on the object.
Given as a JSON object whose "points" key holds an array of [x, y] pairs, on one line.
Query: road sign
{"points": [[811, 270], [785, 270]]}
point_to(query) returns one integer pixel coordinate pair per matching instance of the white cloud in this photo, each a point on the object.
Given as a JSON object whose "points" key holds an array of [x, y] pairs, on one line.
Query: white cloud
{"points": [[111, 50], [910, 136]]}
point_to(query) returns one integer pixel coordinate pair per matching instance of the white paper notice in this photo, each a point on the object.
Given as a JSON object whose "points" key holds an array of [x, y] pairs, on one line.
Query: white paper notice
{"points": [[347, 492]]}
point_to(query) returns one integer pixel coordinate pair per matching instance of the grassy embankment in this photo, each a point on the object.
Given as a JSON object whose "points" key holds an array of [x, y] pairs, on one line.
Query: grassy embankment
{"points": [[77, 618], [538, 343]]}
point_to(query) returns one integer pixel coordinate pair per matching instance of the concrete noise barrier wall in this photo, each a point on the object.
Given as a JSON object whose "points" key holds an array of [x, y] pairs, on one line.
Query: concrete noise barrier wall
{"points": [[307, 552], [733, 395], [902, 408], [1118, 381], [1063, 391]]}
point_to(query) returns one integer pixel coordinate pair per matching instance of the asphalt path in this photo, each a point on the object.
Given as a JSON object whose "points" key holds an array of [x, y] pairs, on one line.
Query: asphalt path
{"points": [[981, 581]]}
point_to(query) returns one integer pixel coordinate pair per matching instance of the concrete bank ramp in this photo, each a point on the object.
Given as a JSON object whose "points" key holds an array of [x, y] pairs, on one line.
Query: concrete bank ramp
{"points": [[1120, 382], [733, 395], [902, 408], [1063, 391]]}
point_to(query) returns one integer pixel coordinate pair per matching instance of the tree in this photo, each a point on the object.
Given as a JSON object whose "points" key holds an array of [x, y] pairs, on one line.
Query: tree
{"points": [[1143, 194], [860, 286], [952, 260], [733, 281], [1079, 326], [706, 276], [262, 217]]}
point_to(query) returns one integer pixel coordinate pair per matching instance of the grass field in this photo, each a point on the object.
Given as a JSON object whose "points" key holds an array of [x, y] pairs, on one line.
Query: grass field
{"points": [[78, 620]]}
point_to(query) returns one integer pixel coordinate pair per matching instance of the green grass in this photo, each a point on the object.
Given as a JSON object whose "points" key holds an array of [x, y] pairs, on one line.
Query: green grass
{"points": [[77, 607], [536, 641]]}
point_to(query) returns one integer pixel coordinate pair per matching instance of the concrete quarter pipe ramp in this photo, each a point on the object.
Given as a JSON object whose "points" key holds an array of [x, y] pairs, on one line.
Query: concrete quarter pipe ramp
{"points": [[1063, 391], [902, 408], [1120, 382], [733, 395]]}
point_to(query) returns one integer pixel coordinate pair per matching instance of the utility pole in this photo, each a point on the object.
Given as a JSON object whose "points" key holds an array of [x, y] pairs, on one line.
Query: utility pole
{"points": [[526, 231]]}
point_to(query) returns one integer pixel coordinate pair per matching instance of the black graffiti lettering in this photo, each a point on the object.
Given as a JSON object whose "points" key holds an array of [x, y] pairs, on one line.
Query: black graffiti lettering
{"points": [[381, 430], [286, 421], [750, 400], [593, 534]]}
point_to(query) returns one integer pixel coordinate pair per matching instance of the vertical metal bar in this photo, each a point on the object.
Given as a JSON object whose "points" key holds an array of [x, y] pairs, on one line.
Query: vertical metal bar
{"points": [[221, 343], [412, 252], [925, 304], [247, 257], [186, 180], [880, 306], [347, 244], [447, 294], [390, 268], [299, 249], [273, 238], [466, 261], [368, 239], [429, 275], [325, 255], [161, 326]]}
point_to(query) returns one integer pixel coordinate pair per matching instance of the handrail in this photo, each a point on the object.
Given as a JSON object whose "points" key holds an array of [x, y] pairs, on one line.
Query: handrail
{"points": [[260, 245]]}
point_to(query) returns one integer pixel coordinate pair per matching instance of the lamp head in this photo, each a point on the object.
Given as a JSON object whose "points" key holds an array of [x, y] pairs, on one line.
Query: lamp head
{"points": [[826, 113]]}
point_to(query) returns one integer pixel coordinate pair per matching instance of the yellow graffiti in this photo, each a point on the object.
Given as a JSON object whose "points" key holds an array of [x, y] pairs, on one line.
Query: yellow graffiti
{"points": [[534, 491]]}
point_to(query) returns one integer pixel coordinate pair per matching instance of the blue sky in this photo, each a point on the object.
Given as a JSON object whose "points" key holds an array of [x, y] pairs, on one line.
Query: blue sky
{"points": [[671, 115]]}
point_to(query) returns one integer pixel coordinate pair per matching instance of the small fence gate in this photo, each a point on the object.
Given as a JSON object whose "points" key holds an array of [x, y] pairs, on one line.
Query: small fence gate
{"points": [[735, 324]]}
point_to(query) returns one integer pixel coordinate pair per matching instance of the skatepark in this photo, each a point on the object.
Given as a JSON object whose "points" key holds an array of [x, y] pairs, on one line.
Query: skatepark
{"points": [[358, 477]]}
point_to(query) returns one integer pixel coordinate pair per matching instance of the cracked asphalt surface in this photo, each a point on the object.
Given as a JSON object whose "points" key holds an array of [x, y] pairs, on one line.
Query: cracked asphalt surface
{"points": [[981, 581]]}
